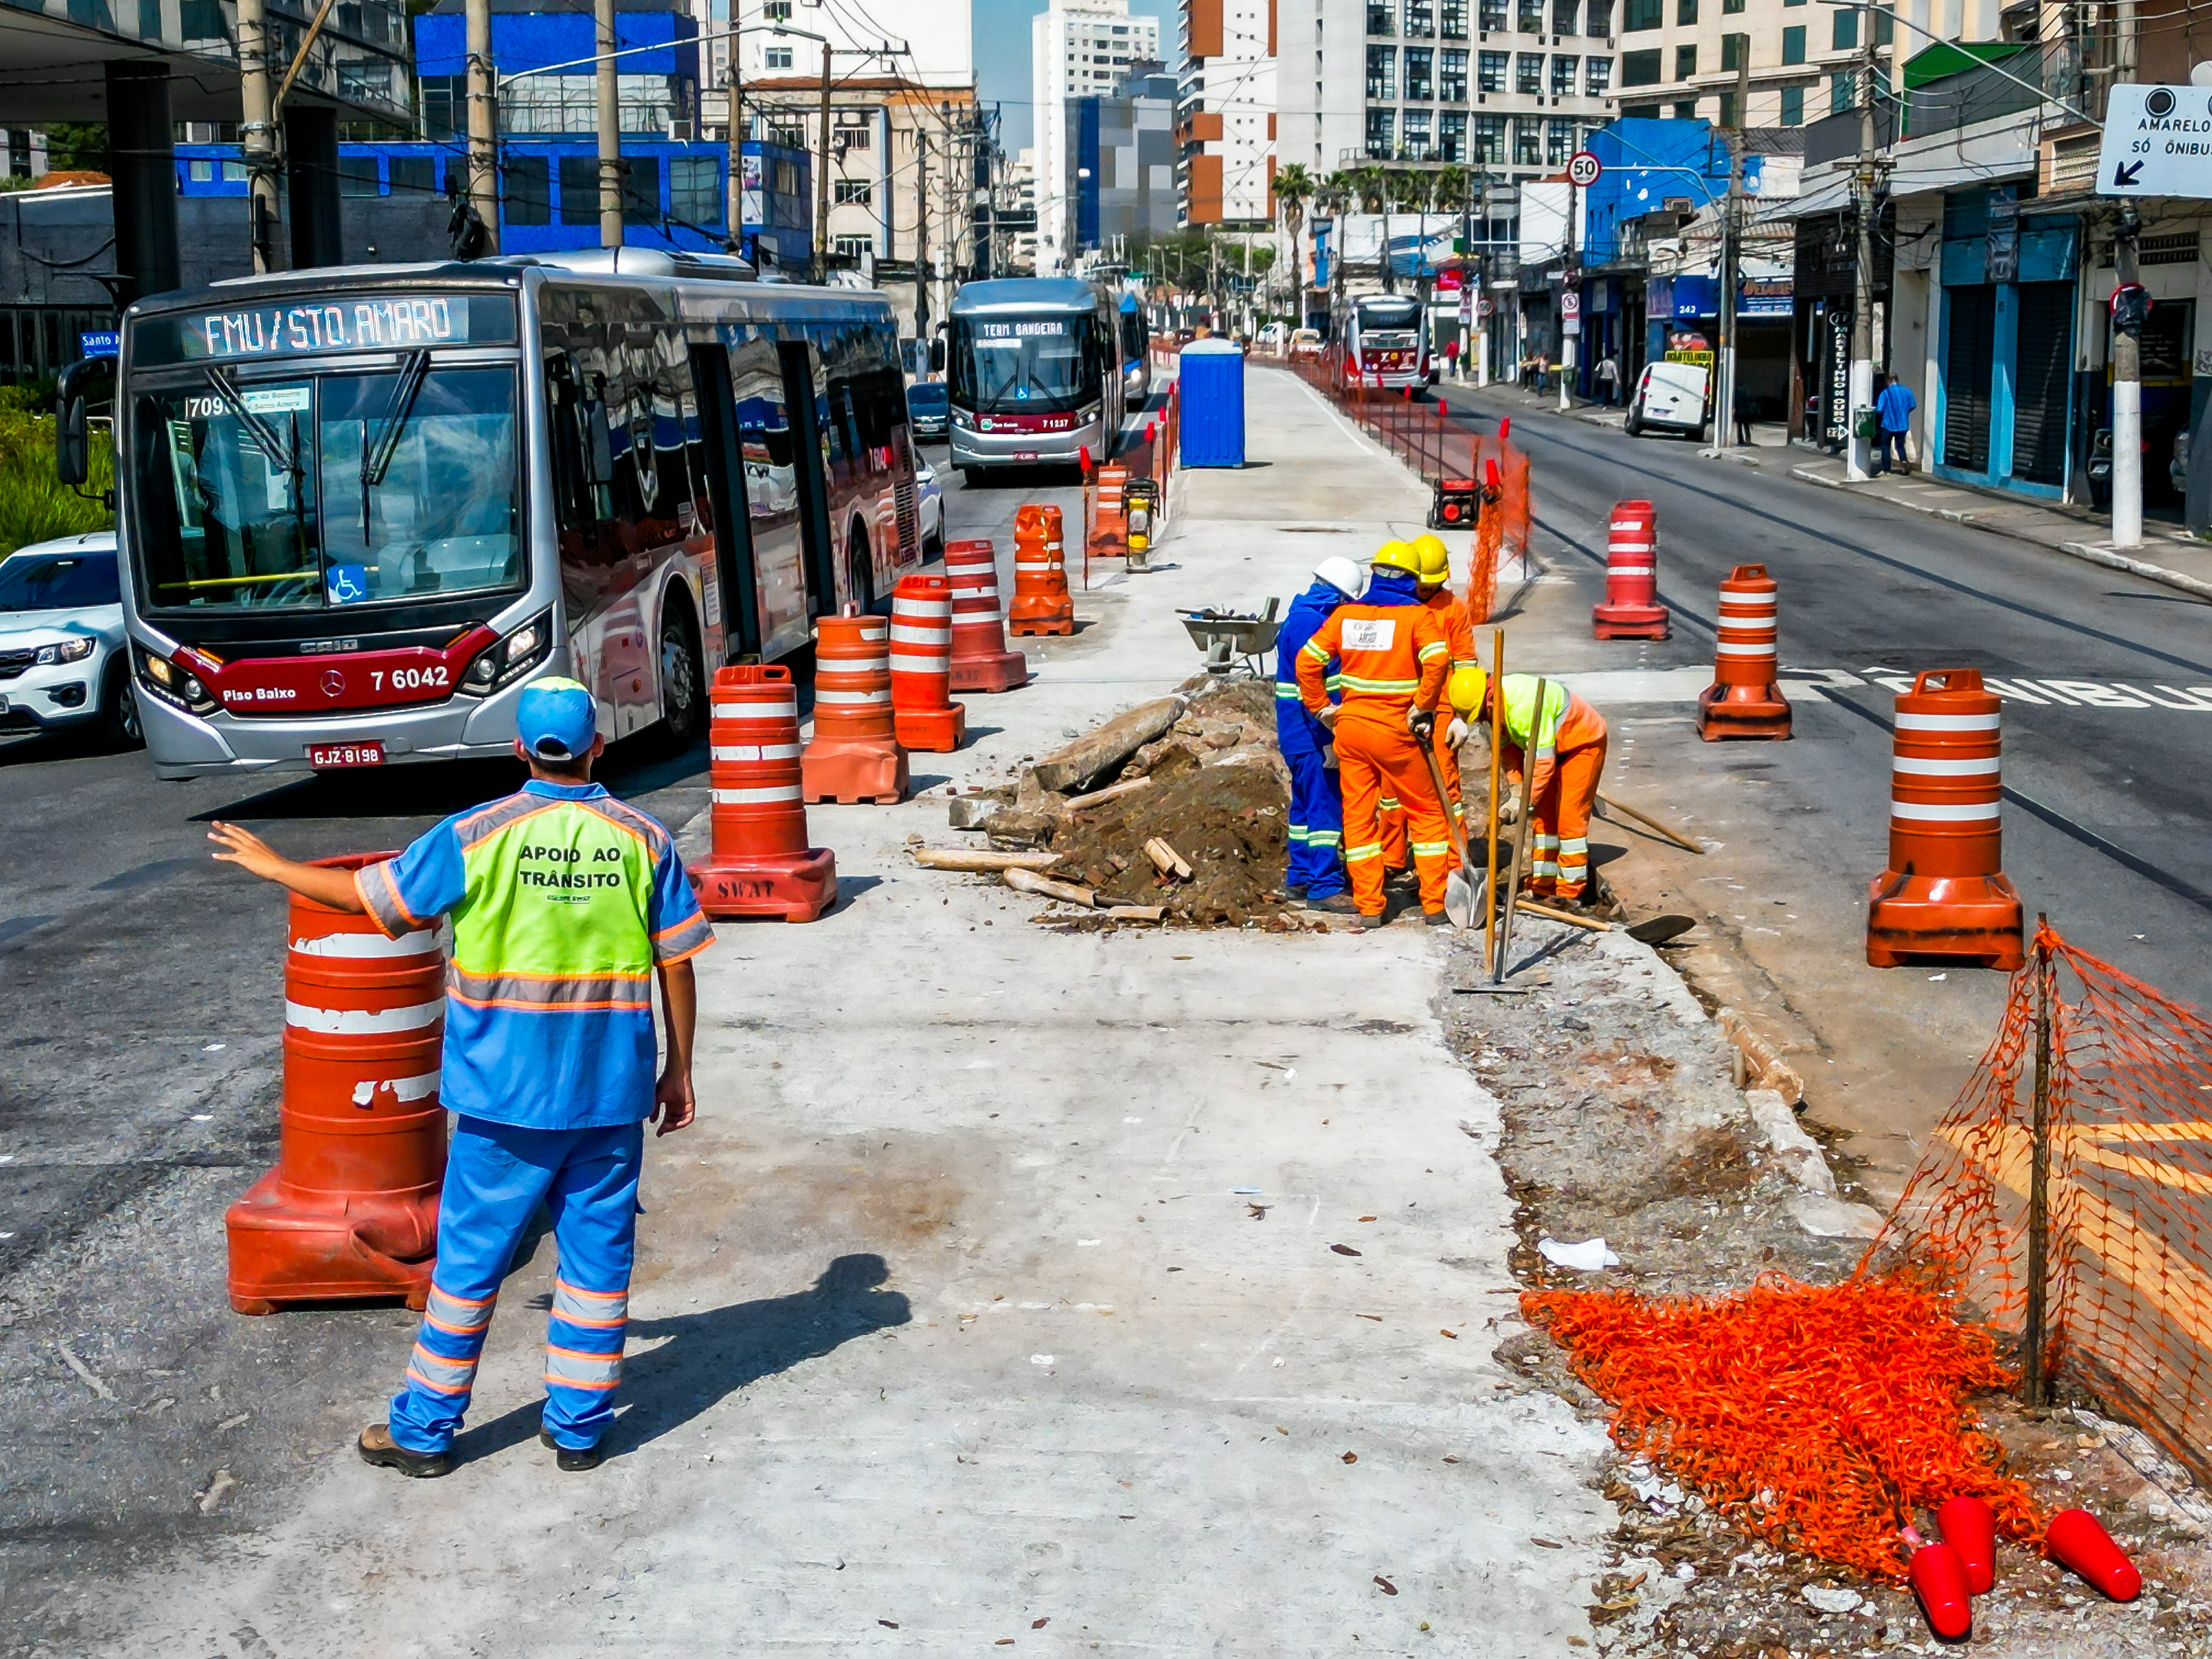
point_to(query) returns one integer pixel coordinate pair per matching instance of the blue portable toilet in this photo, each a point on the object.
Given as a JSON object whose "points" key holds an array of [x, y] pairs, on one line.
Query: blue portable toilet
{"points": [[1212, 403]]}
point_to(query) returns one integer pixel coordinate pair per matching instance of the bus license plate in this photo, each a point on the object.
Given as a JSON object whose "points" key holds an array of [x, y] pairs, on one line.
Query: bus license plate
{"points": [[332, 757], [1026, 454]]}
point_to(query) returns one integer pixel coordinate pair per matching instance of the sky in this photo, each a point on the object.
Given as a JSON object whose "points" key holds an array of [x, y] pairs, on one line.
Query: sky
{"points": [[1002, 55]]}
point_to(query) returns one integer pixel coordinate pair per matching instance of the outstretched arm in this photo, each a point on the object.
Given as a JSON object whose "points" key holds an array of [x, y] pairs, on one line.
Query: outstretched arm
{"points": [[318, 882]]}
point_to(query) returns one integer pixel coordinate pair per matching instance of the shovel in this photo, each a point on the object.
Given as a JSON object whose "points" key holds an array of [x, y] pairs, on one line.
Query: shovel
{"points": [[1462, 890]]}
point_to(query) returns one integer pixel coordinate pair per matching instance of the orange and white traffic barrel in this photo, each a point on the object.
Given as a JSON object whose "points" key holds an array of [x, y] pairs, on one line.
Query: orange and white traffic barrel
{"points": [[1631, 610], [1945, 893], [1745, 699], [1042, 602], [761, 865], [854, 755], [351, 1208], [1110, 525], [981, 661], [921, 665]]}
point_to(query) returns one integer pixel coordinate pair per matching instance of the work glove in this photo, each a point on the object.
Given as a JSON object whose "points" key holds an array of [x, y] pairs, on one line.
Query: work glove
{"points": [[1509, 809], [1328, 757], [1327, 715], [1420, 721], [1457, 732]]}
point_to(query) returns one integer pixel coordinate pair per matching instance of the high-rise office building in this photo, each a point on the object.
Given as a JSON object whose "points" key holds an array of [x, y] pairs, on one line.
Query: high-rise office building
{"points": [[1078, 48], [1225, 113]]}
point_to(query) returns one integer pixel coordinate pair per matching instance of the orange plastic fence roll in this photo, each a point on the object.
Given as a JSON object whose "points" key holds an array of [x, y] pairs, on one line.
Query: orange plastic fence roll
{"points": [[1745, 699], [921, 665], [981, 661], [351, 1208], [1945, 893], [1042, 603], [854, 755], [1631, 610], [761, 865]]}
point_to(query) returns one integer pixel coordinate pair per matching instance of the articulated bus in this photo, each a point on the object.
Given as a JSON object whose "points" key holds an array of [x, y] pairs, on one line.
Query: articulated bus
{"points": [[1136, 354], [359, 509], [1036, 373], [1383, 340]]}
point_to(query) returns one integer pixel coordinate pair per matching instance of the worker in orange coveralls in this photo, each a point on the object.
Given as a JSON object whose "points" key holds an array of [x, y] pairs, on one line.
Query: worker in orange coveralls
{"points": [[1558, 741], [1432, 576], [1393, 659]]}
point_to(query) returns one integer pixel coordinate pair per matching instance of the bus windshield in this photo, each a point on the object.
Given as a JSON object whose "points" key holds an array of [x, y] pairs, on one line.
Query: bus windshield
{"points": [[1388, 316], [321, 490], [1044, 365]]}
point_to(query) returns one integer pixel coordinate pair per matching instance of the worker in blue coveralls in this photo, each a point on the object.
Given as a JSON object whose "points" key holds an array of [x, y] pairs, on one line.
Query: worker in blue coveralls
{"points": [[566, 905], [1315, 879]]}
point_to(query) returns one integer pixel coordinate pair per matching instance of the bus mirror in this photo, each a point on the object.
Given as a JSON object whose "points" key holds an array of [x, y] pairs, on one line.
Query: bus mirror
{"points": [[936, 356], [82, 383]]}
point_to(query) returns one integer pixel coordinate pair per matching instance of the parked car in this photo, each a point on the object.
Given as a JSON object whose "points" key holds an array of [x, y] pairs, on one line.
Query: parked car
{"points": [[928, 412], [929, 496], [1305, 342], [64, 665], [1668, 398]]}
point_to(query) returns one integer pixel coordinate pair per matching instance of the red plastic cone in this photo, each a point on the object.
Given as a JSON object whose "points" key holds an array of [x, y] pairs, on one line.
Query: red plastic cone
{"points": [[1970, 1528], [1939, 1579], [2076, 1541]]}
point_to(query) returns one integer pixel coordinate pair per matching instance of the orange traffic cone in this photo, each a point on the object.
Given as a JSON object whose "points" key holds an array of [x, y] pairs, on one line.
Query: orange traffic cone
{"points": [[921, 665], [1631, 610], [856, 755], [1969, 1528], [981, 661], [1744, 700], [2075, 1541], [1939, 1580], [351, 1208], [1042, 603], [761, 865]]}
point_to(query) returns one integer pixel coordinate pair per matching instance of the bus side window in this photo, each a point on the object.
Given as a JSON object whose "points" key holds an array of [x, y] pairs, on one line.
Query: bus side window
{"points": [[573, 457]]}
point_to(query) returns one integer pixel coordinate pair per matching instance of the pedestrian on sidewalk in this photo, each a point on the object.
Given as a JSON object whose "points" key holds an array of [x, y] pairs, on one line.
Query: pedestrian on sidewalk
{"points": [[1315, 878], [1893, 407], [564, 903], [1554, 757], [1394, 658], [1608, 380]]}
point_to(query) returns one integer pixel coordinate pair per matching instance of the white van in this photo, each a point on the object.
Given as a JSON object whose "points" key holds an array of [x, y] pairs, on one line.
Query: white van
{"points": [[1669, 397]]}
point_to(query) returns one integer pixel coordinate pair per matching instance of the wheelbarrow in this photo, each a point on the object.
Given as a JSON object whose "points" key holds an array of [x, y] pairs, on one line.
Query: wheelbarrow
{"points": [[1226, 638]]}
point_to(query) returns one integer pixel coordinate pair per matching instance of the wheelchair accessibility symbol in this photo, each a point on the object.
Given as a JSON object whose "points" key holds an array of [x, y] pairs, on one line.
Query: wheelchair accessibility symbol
{"points": [[346, 584]]}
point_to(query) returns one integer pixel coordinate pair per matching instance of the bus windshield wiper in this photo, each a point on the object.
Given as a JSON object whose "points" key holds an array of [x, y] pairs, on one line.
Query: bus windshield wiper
{"points": [[379, 446], [284, 455]]}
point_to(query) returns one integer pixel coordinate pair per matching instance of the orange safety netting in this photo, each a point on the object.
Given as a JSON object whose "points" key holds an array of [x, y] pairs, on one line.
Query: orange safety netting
{"points": [[1818, 1417], [2126, 1152]]}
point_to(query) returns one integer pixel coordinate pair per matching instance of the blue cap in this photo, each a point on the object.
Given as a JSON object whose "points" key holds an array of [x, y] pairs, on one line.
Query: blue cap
{"points": [[555, 719]]}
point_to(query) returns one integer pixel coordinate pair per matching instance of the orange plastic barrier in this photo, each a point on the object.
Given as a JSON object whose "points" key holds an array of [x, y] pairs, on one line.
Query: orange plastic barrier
{"points": [[1110, 525], [921, 665], [856, 755], [761, 865], [351, 1208], [1631, 610], [1746, 700], [981, 661], [1945, 893], [1042, 603]]}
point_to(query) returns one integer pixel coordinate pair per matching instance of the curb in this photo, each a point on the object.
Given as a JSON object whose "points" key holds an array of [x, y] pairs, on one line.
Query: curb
{"points": [[2112, 560]]}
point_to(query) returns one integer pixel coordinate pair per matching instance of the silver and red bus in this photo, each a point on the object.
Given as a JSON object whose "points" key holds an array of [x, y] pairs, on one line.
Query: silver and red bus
{"points": [[1382, 340], [359, 510], [1035, 373]]}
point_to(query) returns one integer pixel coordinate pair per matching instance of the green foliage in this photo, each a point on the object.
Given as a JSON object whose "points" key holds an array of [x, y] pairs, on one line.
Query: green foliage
{"points": [[35, 506], [74, 146]]}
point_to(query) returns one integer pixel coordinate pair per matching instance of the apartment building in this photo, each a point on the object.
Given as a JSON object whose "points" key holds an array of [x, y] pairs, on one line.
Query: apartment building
{"points": [[1078, 49], [1508, 89], [1020, 188], [1679, 57], [1225, 113], [1120, 178]]}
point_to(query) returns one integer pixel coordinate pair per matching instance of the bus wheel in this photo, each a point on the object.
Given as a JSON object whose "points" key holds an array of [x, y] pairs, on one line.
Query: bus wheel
{"points": [[119, 709], [683, 679]]}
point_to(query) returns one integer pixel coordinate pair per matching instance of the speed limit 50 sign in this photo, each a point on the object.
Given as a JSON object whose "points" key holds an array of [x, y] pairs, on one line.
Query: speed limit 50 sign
{"points": [[1584, 170]]}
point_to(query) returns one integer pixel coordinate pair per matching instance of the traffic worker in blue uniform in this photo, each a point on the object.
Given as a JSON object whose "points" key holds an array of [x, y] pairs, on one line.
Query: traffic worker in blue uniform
{"points": [[1316, 877], [566, 905]]}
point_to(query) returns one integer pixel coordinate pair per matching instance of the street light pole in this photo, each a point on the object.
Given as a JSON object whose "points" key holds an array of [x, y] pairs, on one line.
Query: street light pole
{"points": [[1724, 388], [2127, 344], [1861, 400]]}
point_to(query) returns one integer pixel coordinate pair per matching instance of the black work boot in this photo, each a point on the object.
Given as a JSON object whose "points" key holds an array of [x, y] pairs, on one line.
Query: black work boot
{"points": [[571, 1460], [377, 1446], [1341, 904]]}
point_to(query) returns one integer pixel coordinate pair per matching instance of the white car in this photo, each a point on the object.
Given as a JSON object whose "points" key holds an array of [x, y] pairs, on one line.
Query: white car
{"points": [[65, 663], [929, 496], [1668, 398]]}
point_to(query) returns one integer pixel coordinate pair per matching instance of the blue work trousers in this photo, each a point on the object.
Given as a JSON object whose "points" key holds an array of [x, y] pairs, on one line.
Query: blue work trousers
{"points": [[1316, 827], [496, 1176]]}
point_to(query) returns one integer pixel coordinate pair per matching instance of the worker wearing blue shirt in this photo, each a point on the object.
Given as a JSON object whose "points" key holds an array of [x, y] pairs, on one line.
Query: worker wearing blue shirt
{"points": [[566, 904], [1316, 877], [1892, 409]]}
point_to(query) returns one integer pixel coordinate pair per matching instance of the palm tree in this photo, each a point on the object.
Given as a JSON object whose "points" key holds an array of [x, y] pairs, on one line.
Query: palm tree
{"points": [[1294, 188]]}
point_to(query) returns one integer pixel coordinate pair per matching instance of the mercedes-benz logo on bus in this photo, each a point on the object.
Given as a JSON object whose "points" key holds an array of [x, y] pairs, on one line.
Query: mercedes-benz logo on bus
{"points": [[333, 683]]}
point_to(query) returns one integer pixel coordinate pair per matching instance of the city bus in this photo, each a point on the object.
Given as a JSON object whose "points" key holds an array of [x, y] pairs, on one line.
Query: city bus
{"points": [[1136, 354], [1035, 373], [361, 508], [1382, 340]]}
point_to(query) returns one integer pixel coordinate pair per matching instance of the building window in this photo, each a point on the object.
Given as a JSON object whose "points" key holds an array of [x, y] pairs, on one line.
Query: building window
{"points": [[1492, 13], [1528, 141], [1563, 75], [1416, 135], [853, 249], [1421, 19], [1793, 44], [233, 173], [1418, 82], [1382, 133], [1793, 107], [1727, 117], [1489, 69], [1489, 140], [789, 137], [1451, 137], [1846, 35], [779, 58], [1451, 77], [1455, 20], [695, 190], [410, 175], [1640, 68], [1597, 77], [1558, 141], [776, 11], [1686, 61], [1600, 13], [853, 192], [1843, 92], [1735, 48], [1529, 73], [529, 191], [1532, 16], [1382, 72], [855, 138], [1565, 13], [357, 176], [1636, 16], [1885, 26], [1382, 17], [200, 172], [579, 190]]}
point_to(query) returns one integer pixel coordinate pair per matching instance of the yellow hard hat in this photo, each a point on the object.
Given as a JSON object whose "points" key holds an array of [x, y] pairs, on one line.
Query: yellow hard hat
{"points": [[1464, 690], [1397, 556], [1435, 562]]}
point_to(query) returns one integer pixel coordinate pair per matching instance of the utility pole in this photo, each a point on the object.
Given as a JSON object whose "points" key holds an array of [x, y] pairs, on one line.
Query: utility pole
{"points": [[609, 126], [822, 180], [258, 130], [921, 243], [483, 122], [1860, 402], [733, 81], [1570, 282], [1725, 391], [2127, 346]]}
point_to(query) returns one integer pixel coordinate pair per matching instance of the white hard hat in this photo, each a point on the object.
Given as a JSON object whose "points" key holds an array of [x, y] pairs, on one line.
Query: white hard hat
{"points": [[1343, 575]]}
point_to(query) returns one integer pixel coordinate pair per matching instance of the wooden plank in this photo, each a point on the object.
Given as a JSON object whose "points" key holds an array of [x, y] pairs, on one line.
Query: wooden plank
{"points": [[1111, 792], [1166, 859], [1028, 881], [1106, 746], [983, 860]]}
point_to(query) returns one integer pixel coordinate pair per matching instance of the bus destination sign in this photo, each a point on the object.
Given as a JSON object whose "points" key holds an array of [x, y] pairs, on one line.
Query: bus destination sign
{"points": [[398, 322], [1020, 331]]}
